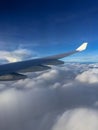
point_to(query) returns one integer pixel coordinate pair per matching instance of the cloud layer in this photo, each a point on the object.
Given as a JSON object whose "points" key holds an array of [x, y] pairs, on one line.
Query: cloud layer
{"points": [[62, 98]]}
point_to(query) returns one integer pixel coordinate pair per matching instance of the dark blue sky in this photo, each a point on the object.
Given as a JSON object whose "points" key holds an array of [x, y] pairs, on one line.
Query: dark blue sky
{"points": [[49, 26]]}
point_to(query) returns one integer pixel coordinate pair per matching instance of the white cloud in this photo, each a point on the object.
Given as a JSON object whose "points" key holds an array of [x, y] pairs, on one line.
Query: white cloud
{"points": [[51, 100], [89, 76], [17, 55], [78, 119]]}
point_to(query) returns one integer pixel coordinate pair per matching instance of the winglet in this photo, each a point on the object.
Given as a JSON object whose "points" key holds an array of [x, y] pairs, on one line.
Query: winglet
{"points": [[82, 47]]}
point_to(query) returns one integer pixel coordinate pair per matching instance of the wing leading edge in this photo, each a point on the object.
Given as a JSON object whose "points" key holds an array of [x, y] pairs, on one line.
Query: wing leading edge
{"points": [[34, 65]]}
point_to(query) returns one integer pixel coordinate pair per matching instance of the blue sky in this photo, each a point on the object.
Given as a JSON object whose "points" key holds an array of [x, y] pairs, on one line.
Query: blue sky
{"points": [[49, 26]]}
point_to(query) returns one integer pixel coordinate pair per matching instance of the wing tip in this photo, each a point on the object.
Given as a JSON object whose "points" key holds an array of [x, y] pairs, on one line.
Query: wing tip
{"points": [[82, 47]]}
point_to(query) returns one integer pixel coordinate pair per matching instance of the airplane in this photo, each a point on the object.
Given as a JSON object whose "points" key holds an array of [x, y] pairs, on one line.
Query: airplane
{"points": [[13, 71]]}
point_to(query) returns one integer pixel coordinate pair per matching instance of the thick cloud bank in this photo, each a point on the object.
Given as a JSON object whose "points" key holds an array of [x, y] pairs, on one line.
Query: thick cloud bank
{"points": [[63, 98]]}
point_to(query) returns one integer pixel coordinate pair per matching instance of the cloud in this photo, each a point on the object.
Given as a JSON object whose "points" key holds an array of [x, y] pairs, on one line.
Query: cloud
{"points": [[51, 100], [90, 76], [78, 119], [16, 55]]}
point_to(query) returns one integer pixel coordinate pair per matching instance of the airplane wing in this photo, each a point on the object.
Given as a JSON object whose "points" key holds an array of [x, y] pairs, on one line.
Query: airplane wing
{"points": [[11, 71]]}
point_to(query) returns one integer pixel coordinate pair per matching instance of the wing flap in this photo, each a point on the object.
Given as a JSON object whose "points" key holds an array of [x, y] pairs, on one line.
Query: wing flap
{"points": [[54, 62], [42, 67], [35, 68], [12, 77]]}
